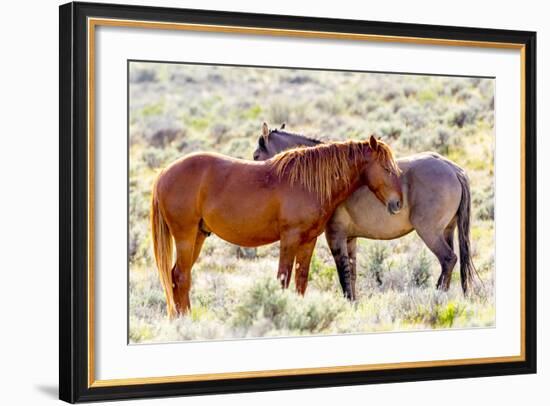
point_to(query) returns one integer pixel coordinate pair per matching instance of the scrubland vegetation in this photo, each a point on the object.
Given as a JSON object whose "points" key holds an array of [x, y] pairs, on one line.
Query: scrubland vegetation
{"points": [[176, 109]]}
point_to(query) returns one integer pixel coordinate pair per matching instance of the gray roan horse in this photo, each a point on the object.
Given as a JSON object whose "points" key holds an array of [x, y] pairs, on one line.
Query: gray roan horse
{"points": [[436, 200]]}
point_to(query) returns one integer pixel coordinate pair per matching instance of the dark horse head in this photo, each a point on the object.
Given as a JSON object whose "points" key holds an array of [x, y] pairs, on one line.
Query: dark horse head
{"points": [[271, 142]]}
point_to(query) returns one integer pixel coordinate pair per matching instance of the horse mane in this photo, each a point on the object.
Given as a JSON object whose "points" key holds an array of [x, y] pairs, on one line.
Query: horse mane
{"points": [[324, 168], [296, 135]]}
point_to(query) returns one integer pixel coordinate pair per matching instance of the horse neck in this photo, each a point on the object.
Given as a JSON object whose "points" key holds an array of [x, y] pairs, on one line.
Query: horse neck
{"points": [[296, 140], [286, 141], [342, 191]]}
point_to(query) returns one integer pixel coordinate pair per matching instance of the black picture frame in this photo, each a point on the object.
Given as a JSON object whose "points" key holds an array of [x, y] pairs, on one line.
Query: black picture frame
{"points": [[74, 199]]}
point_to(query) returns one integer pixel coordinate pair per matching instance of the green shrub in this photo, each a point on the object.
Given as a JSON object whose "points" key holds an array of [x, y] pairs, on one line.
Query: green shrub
{"points": [[321, 275], [446, 315], [377, 255], [421, 270], [264, 299], [285, 310]]}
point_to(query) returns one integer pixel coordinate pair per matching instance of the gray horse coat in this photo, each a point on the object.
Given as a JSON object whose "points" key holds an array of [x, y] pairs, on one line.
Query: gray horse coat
{"points": [[436, 196]]}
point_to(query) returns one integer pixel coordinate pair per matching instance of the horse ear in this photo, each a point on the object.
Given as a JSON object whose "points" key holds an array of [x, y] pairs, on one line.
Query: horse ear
{"points": [[373, 143], [265, 130], [283, 126]]}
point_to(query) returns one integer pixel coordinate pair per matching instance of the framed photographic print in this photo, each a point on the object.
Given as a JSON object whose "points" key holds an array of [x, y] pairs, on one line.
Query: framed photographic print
{"points": [[257, 202]]}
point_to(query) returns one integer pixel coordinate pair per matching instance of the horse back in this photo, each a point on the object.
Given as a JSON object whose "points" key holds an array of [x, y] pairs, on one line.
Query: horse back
{"points": [[434, 188]]}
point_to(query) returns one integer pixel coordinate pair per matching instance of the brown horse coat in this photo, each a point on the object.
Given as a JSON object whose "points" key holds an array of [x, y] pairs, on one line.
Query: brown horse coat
{"points": [[288, 198]]}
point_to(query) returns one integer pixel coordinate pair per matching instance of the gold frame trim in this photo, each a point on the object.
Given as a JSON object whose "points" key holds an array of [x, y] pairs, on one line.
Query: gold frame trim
{"points": [[93, 22]]}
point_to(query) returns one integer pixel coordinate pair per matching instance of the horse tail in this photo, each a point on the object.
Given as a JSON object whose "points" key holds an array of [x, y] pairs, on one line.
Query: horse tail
{"points": [[464, 211], [162, 246]]}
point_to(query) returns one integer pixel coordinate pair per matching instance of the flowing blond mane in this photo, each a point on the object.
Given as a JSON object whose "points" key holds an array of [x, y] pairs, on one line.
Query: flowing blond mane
{"points": [[323, 168]]}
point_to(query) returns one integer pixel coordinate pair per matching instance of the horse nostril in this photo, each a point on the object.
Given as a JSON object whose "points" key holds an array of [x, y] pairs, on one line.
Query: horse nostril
{"points": [[394, 206]]}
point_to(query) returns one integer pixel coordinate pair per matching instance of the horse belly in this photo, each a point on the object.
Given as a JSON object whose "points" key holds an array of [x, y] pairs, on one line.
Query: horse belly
{"points": [[242, 231], [384, 226], [371, 219], [248, 221]]}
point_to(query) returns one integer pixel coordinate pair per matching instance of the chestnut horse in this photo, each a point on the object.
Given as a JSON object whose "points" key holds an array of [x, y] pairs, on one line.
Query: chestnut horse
{"points": [[289, 197], [436, 201]]}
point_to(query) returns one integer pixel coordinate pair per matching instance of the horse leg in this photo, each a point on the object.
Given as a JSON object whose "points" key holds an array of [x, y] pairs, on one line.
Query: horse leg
{"points": [[303, 259], [339, 248], [438, 243], [449, 233], [181, 273], [352, 253], [287, 254], [199, 241]]}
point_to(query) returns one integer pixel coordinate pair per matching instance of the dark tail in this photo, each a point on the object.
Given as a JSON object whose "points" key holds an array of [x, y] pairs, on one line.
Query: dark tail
{"points": [[464, 211]]}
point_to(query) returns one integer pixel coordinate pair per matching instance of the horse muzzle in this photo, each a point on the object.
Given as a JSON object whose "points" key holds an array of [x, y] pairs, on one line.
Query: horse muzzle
{"points": [[394, 206]]}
